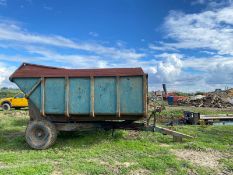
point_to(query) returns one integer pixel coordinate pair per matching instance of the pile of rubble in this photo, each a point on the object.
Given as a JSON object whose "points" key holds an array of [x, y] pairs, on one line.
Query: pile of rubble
{"points": [[212, 100]]}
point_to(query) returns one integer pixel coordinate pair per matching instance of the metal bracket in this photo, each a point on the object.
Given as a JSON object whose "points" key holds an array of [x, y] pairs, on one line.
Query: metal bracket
{"points": [[33, 88]]}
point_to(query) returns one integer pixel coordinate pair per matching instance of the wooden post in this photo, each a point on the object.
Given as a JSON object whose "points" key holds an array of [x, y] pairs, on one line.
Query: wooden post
{"points": [[177, 138], [43, 96]]}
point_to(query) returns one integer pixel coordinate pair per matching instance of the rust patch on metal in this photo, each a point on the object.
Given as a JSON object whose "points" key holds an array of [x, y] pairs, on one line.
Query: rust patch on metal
{"points": [[33, 70], [76, 118]]}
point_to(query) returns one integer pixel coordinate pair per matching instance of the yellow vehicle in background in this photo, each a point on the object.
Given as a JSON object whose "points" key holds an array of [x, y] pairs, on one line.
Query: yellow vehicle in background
{"points": [[17, 102]]}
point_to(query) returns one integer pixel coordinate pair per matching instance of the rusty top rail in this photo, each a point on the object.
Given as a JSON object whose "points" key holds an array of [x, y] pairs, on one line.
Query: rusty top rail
{"points": [[27, 70]]}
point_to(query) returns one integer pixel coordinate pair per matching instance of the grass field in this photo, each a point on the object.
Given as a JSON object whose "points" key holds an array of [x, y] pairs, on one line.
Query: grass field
{"points": [[127, 152], [174, 112]]}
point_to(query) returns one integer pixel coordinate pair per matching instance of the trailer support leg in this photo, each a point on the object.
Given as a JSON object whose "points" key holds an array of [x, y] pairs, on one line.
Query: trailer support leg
{"points": [[113, 131], [177, 139]]}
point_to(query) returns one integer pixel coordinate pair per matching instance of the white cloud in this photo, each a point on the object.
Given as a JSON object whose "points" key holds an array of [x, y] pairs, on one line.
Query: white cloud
{"points": [[194, 2], [168, 55], [206, 63], [221, 73], [13, 33], [162, 47], [169, 69], [5, 72], [208, 33], [48, 49], [74, 60], [210, 4], [210, 30], [94, 34], [121, 44]]}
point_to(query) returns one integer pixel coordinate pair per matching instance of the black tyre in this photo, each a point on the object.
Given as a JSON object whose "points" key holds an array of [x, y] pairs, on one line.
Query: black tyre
{"points": [[41, 134], [6, 107]]}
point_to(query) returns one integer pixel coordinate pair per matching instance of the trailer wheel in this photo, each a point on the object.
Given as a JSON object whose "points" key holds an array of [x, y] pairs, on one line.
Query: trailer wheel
{"points": [[6, 106], [41, 134]]}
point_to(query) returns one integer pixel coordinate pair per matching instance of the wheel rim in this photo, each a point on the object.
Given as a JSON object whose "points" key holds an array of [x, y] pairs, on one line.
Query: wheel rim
{"points": [[5, 107], [39, 136]]}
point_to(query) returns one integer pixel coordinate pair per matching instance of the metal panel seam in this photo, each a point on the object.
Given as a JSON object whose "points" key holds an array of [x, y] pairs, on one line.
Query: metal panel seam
{"points": [[42, 96], [92, 97], [145, 95], [118, 96], [67, 93]]}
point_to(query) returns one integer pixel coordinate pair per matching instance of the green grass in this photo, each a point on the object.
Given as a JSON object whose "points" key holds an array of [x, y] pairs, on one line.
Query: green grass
{"points": [[173, 112], [98, 152], [178, 110]]}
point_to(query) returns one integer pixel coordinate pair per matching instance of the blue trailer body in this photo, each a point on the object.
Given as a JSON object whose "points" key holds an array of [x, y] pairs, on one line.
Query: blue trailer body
{"points": [[105, 97], [80, 98], [83, 99], [115, 96]]}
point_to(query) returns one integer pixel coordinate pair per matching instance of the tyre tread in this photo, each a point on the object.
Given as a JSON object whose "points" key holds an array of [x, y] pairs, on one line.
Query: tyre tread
{"points": [[52, 132]]}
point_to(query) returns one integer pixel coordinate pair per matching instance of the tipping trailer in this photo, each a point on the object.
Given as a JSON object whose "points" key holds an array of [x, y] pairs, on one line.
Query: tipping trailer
{"points": [[81, 99]]}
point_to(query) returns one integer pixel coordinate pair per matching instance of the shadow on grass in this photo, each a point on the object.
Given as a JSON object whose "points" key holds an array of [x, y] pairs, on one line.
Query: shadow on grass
{"points": [[13, 140], [86, 138]]}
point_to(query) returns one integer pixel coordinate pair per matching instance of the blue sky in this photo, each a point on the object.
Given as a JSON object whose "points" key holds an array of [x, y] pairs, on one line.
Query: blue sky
{"points": [[187, 44]]}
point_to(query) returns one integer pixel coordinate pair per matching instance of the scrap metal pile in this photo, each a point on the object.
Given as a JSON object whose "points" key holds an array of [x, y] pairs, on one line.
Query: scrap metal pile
{"points": [[221, 99]]}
